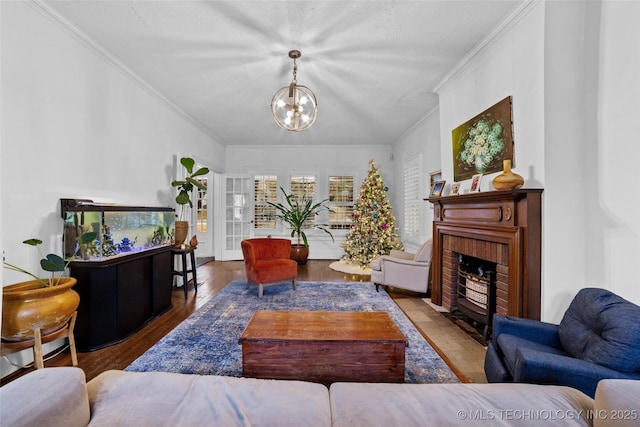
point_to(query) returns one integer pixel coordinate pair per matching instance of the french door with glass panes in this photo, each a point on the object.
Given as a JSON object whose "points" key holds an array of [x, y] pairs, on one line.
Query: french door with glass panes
{"points": [[236, 199]]}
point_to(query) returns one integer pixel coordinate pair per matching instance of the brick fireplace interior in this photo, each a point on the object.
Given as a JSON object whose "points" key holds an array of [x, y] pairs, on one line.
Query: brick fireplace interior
{"points": [[491, 252], [502, 228]]}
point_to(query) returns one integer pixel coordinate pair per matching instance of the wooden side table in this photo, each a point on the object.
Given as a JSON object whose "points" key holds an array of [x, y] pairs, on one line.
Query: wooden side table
{"points": [[182, 252], [66, 331]]}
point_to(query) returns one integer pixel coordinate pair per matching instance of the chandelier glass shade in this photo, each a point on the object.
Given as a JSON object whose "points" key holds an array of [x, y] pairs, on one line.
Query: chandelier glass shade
{"points": [[294, 107]]}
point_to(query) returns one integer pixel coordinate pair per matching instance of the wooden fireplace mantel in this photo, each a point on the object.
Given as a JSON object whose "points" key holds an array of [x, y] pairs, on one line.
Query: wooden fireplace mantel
{"points": [[482, 222]]}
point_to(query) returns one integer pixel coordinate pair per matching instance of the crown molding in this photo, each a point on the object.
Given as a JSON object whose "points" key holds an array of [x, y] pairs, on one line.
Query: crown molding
{"points": [[113, 61], [492, 38]]}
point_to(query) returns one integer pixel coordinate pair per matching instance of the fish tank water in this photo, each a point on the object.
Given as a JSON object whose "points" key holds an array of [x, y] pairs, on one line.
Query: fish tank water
{"points": [[120, 230]]}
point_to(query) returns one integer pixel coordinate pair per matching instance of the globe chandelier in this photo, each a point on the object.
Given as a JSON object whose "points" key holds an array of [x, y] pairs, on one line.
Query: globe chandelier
{"points": [[294, 107]]}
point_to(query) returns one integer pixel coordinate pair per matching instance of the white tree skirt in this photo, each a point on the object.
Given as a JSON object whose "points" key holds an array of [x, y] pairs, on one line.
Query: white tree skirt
{"points": [[349, 268]]}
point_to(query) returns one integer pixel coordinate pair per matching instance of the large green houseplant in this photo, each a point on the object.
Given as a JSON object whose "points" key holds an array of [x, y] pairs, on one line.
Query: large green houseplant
{"points": [[186, 188], [42, 303], [295, 214]]}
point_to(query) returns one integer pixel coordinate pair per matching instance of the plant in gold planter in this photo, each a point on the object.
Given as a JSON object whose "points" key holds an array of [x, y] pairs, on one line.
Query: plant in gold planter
{"points": [[296, 215], [186, 188], [45, 304], [51, 262]]}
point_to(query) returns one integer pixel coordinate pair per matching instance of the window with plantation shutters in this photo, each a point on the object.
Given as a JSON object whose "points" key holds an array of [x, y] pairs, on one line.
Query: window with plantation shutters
{"points": [[412, 200], [303, 188], [266, 190], [341, 202]]}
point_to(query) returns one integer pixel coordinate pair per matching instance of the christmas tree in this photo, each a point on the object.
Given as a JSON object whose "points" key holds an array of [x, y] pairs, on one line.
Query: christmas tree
{"points": [[373, 232]]}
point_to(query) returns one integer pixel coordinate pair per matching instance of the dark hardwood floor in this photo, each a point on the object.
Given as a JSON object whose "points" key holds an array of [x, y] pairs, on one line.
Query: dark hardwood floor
{"points": [[464, 355]]}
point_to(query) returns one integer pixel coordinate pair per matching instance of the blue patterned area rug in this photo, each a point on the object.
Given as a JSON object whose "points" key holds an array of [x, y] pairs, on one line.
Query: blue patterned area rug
{"points": [[206, 343]]}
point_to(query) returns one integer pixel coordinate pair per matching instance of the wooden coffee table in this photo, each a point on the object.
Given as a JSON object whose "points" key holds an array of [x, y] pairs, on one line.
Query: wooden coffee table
{"points": [[323, 346]]}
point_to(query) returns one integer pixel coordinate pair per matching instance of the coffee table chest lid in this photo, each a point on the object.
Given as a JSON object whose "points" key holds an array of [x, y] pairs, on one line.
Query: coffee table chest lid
{"points": [[372, 326]]}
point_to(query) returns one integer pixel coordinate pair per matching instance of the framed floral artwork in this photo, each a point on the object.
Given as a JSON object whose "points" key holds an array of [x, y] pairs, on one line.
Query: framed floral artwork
{"points": [[482, 143]]}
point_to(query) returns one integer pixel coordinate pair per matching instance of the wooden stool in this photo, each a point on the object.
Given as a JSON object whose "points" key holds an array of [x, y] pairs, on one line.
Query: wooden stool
{"points": [[184, 271], [66, 331]]}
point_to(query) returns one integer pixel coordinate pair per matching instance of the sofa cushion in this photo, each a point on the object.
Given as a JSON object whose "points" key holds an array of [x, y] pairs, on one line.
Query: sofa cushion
{"points": [[163, 398], [406, 405], [46, 397], [617, 403], [602, 327], [509, 345]]}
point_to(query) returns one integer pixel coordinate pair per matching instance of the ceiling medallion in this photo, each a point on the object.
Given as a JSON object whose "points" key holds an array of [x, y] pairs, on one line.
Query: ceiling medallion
{"points": [[294, 107]]}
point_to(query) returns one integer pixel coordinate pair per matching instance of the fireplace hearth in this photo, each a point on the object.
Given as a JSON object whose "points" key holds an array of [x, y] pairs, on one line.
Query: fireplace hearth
{"points": [[499, 227]]}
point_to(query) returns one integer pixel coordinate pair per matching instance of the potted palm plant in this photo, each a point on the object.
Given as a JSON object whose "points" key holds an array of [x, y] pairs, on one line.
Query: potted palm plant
{"points": [[185, 190], [42, 303], [296, 214]]}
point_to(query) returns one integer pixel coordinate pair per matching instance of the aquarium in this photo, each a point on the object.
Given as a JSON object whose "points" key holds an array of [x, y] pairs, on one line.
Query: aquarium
{"points": [[120, 230]]}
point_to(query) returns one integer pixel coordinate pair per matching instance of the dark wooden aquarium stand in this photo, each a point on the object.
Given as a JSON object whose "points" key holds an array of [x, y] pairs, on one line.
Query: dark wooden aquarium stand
{"points": [[120, 295]]}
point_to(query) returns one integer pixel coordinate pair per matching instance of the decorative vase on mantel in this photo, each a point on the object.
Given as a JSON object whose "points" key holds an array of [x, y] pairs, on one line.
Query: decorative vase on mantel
{"points": [[507, 180]]}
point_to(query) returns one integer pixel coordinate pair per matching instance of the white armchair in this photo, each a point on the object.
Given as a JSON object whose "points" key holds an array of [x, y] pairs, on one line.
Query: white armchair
{"points": [[403, 270]]}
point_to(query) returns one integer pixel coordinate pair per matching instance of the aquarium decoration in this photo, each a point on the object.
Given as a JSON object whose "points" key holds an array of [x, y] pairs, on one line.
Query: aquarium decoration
{"points": [[121, 230]]}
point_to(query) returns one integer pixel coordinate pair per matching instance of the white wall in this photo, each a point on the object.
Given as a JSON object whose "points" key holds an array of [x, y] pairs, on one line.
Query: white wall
{"points": [[74, 125], [324, 160], [612, 226], [422, 140], [572, 70]]}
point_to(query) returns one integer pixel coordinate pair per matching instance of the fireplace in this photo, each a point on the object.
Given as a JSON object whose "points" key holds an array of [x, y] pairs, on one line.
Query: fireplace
{"points": [[476, 291], [499, 227]]}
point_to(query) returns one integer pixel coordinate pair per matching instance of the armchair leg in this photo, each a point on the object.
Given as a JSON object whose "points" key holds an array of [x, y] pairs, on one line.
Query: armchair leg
{"points": [[377, 287], [260, 290], [293, 282]]}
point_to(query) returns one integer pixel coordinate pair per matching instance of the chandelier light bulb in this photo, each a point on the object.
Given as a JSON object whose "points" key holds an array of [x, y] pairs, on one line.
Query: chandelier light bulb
{"points": [[287, 104]]}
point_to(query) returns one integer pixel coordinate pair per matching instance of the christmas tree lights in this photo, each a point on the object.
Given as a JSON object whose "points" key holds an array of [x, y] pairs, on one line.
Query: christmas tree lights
{"points": [[373, 232]]}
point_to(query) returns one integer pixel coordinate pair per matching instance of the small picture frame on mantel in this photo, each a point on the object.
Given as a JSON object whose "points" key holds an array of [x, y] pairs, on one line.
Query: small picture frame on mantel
{"points": [[475, 183], [434, 177], [436, 190], [455, 189]]}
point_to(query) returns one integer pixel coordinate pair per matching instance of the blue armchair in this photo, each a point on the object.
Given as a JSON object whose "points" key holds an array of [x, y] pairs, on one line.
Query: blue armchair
{"points": [[598, 338]]}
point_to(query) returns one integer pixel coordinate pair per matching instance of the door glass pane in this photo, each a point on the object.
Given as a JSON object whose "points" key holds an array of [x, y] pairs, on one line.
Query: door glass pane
{"points": [[201, 207]]}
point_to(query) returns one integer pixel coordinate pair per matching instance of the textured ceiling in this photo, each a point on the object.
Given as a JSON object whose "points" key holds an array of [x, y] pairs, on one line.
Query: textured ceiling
{"points": [[372, 64]]}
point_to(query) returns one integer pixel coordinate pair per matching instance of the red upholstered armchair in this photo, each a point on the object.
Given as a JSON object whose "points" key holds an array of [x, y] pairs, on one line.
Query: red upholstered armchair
{"points": [[267, 262]]}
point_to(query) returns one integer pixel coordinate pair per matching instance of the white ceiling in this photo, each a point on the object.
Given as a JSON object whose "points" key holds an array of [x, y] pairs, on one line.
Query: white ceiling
{"points": [[373, 65]]}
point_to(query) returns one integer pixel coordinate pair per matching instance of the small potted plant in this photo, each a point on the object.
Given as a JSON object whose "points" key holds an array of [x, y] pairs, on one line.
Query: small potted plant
{"points": [[185, 190], [296, 214], [43, 303]]}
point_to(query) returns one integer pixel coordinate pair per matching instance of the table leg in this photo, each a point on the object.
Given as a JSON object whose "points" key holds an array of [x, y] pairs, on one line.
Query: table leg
{"points": [[184, 274], [193, 270]]}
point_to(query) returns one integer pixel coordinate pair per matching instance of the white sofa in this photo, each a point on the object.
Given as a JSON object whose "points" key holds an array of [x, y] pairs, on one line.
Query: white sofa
{"points": [[403, 270], [61, 397]]}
